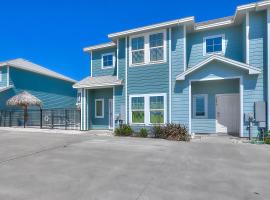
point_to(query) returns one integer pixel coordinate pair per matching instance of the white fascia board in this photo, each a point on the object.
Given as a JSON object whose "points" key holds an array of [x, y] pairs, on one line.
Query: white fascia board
{"points": [[252, 70], [214, 25], [100, 46], [152, 27]]}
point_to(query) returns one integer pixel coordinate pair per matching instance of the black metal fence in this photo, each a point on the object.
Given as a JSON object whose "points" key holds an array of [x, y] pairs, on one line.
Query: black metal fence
{"points": [[68, 119]]}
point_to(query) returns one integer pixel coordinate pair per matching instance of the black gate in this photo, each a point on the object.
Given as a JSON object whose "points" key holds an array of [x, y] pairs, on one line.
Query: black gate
{"points": [[68, 119]]}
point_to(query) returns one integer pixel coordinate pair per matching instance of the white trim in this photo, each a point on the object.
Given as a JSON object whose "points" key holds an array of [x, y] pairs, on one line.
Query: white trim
{"points": [[213, 25], [8, 76], [113, 61], [2, 89], [268, 68], [99, 46], [241, 99], [185, 47], [247, 37], [152, 27], [117, 60], [101, 116], [251, 70], [109, 117], [85, 113], [113, 108], [91, 63], [205, 96], [212, 37], [147, 48], [170, 75], [1, 75], [147, 107], [87, 109], [126, 80]]}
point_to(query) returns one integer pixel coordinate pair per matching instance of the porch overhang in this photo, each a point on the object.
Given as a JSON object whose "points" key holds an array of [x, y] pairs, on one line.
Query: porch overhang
{"points": [[236, 64], [98, 82]]}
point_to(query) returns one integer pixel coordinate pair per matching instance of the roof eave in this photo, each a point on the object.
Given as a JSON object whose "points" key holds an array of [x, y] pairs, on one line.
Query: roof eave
{"points": [[114, 36]]}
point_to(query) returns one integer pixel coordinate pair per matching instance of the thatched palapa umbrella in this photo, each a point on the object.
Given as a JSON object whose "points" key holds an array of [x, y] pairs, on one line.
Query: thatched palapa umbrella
{"points": [[24, 100]]}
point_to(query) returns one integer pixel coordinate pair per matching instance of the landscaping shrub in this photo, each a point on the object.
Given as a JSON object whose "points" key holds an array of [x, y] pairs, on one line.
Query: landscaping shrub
{"points": [[143, 132], [157, 131], [123, 130], [171, 132], [267, 140]]}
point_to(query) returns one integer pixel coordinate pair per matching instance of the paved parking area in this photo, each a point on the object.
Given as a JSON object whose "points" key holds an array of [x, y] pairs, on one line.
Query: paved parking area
{"points": [[51, 166]]}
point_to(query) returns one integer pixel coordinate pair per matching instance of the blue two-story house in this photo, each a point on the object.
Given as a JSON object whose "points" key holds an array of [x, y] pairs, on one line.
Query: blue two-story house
{"points": [[205, 75], [53, 89]]}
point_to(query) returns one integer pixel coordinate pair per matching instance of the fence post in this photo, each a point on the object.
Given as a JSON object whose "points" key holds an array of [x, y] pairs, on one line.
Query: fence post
{"points": [[52, 117], [65, 119], [9, 118], [40, 118]]}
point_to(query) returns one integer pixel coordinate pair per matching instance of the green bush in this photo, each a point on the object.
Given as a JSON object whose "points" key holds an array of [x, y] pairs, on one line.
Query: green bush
{"points": [[143, 132], [267, 140], [171, 132], [123, 130], [157, 131]]}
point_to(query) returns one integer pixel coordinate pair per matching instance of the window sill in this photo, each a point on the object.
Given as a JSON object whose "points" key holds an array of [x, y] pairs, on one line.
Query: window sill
{"points": [[109, 67], [214, 53], [150, 63]]}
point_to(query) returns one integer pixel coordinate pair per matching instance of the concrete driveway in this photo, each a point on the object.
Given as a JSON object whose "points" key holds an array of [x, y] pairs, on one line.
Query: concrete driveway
{"points": [[59, 166]]}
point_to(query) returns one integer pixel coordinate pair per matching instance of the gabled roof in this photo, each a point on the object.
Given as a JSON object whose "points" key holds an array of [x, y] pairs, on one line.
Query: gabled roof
{"points": [[98, 82], [250, 69], [29, 66]]}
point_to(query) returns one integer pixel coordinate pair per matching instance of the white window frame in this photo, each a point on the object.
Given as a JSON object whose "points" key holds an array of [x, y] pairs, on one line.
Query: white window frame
{"points": [[108, 54], [147, 107], [205, 96], [1, 76], [102, 100], [212, 37], [147, 48]]}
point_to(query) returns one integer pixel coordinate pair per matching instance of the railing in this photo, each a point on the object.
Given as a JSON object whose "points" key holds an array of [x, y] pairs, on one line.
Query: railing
{"points": [[68, 119]]}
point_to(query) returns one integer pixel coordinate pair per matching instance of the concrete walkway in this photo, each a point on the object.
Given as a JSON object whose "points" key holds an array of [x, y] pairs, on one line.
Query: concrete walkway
{"points": [[40, 165]]}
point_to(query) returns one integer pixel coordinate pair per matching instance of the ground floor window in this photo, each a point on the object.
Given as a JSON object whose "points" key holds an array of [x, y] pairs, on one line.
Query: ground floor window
{"points": [[200, 102], [99, 108], [148, 109]]}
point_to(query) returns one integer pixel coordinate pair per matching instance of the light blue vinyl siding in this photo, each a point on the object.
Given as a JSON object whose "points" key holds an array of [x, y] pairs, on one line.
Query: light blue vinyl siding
{"points": [[211, 88], [179, 89], [54, 93], [147, 79], [3, 72], [97, 62], [99, 123], [233, 44], [257, 58]]}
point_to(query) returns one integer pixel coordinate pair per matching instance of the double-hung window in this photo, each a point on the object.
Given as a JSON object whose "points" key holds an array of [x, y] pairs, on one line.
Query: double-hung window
{"points": [[108, 60], [137, 50], [200, 102], [156, 47], [156, 109], [137, 110], [148, 109], [99, 108], [148, 48], [214, 44]]}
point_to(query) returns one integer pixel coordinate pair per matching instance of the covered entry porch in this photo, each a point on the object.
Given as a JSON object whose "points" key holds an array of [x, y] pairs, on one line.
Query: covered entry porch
{"points": [[97, 102], [215, 106]]}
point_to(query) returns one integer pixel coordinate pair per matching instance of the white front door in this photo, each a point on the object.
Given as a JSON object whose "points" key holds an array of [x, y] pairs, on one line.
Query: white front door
{"points": [[110, 113], [228, 113]]}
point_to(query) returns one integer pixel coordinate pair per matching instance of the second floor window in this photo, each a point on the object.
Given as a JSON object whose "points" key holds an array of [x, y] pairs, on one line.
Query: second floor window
{"points": [[108, 60], [156, 47], [147, 48], [137, 50], [214, 44]]}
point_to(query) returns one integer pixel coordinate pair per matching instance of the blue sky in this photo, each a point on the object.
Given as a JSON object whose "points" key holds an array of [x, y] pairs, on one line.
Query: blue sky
{"points": [[53, 33]]}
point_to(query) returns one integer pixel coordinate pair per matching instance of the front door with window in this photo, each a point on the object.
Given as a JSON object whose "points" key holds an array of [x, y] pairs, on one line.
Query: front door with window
{"points": [[110, 113], [228, 113]]}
